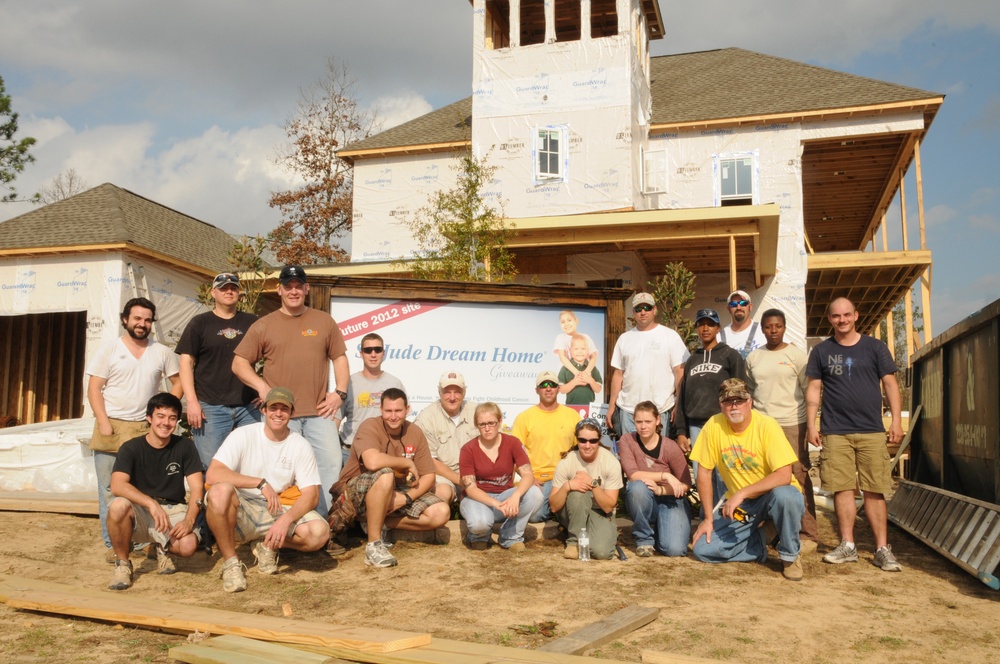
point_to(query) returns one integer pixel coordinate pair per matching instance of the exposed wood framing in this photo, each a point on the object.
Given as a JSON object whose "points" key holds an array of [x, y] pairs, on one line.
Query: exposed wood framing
{"points": [[890, 329], [42, 372], [134, 249], [925, 280]]}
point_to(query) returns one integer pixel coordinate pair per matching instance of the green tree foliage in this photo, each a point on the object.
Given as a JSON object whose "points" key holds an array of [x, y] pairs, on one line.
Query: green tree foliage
{"points": [[461, 234], [674, 293], [320, 211], [13, 153]]}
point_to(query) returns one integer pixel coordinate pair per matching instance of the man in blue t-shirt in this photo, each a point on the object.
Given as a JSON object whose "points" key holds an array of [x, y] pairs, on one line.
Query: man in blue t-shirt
{"points": [[849, 368]]}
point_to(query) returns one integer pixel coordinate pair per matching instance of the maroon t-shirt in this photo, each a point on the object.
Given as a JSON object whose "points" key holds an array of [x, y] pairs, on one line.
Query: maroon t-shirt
{"points": [[493, 477], [671, 459]]}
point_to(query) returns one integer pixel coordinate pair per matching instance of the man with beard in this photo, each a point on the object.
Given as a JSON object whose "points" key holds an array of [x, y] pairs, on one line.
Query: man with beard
{"points": [[123, 375], [755, 461], [742, 334]]}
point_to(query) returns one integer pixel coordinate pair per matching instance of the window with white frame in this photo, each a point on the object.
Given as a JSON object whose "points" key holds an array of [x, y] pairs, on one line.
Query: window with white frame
{"points": [[550, 153], [654, 172], [736, 180]]}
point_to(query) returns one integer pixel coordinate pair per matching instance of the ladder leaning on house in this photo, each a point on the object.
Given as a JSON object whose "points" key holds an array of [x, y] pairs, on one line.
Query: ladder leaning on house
{"points": [[140, 288], [964, 530]]}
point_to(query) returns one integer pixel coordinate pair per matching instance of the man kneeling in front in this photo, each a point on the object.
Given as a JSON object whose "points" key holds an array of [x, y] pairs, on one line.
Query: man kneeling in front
{"points": [[755, 461], [254, 465], [148, 482]]}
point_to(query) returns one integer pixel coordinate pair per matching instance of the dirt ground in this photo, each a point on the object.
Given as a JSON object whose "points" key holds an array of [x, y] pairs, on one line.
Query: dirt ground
{"points": [[740, 612]]}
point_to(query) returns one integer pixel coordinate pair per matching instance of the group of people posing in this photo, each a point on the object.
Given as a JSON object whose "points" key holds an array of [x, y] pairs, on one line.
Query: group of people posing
{"points": [[266, 444]]}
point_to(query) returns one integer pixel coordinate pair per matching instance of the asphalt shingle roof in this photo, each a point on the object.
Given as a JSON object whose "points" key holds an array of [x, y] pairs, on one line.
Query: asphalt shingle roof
{"points": [[108, 214], [693, 87]]}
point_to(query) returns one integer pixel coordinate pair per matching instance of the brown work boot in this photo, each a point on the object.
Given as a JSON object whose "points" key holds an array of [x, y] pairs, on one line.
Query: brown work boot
{"points": [[793, 570]]}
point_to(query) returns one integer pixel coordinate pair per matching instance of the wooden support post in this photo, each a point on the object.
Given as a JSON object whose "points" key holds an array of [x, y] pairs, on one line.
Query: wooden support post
{"points": [[908, 298], [925, 280], [890, 330], [732, 263], [757, 278]]}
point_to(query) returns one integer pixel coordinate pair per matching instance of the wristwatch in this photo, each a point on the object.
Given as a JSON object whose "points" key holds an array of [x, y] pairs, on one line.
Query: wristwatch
{"points": [[342, 394]]}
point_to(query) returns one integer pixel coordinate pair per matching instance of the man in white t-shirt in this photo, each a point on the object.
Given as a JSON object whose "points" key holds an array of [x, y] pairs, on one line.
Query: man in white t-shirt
{"points": [[255, 464], [648, 363], [743, 334], [123, 375]]}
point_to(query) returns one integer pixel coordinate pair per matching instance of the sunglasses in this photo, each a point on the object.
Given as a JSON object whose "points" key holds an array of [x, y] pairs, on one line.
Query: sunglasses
{"points": [[547, 385], [588, 441], [738, 303], [373, 349], [642, 307], [734, 402]]}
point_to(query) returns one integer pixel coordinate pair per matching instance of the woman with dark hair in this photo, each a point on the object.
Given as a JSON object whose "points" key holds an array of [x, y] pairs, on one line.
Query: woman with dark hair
{"points": [[658, 481], [585, 490], [486, 465]]}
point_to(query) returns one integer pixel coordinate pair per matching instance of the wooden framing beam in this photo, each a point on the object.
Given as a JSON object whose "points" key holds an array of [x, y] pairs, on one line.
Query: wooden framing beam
{"points": [[801, 116], [925, 280], [596, 634]]}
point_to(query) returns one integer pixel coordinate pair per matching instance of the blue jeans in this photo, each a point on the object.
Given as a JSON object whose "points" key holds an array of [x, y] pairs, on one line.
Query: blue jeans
{"points": [[543, 513], [104, 462], [480, 517], [734, 541], [324, 438], [218, 422], [666, 517]]}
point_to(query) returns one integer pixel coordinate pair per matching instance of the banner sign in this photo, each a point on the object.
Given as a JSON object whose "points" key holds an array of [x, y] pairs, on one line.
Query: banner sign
{"points": [[498, 348]]}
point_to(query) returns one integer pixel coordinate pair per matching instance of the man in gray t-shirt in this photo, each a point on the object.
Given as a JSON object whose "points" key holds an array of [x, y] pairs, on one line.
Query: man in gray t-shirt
{"points": [[364, 393]]}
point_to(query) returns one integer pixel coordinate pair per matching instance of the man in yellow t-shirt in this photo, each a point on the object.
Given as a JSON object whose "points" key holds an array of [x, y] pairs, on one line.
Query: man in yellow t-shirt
{"points": [[755, 461], [547, 430]]}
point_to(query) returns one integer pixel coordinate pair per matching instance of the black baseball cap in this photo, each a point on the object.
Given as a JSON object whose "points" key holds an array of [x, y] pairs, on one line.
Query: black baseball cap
{"points": [[290, 272]]}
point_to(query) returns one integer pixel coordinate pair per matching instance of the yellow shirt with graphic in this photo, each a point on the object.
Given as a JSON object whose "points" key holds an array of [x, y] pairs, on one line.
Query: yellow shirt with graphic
{"points": [[747, 457]]}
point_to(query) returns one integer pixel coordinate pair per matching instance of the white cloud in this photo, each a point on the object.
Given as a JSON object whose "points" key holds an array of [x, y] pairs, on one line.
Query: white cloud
{"points": [[985, 222], [938, 215], [397, 109]]}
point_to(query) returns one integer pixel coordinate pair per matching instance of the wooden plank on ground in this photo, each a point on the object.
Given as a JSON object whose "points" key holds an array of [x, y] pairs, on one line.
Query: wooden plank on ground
{"points": [[232, 649], [655, 657], [608, 629], [120, 607], [449, 651], [58, 503]]}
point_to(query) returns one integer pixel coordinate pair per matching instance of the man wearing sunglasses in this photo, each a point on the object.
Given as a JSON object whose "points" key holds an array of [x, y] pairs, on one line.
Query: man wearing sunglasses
{"points": [[743, 333], [217, 401], [364, 392], [755, 461], [648, 363], [547, 430]]}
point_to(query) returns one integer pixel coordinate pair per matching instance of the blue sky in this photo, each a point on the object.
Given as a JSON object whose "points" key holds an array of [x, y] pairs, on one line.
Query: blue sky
{"points": [[183, 102]]}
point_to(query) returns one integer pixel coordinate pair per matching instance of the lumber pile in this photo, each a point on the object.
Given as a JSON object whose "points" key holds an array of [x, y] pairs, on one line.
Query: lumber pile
{"points": [[256, 639], [57, 598]]}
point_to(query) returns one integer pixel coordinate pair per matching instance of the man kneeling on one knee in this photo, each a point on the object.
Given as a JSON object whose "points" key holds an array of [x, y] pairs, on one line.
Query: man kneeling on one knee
{"points": [[148, 482], [755, 461], [254, 465]]}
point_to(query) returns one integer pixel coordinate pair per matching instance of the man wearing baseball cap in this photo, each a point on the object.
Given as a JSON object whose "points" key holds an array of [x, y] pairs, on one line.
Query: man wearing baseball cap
{"points": [[217, 400], [547, 430], [648, 363], [755, 461], [448, 424], [297, 343], [255, 464], [742, 333]]}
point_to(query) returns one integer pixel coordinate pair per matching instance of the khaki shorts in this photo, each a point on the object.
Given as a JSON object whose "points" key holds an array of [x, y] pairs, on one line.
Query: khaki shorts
{"points": [[860, 459], [121, 431], [253, 520], [144, 528], [455, 492]]}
